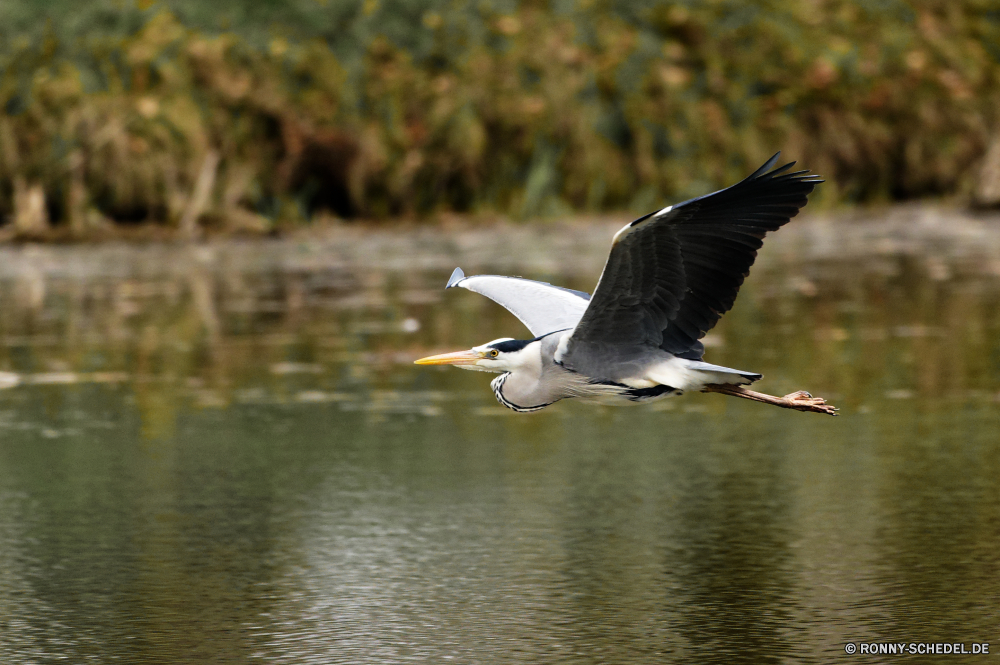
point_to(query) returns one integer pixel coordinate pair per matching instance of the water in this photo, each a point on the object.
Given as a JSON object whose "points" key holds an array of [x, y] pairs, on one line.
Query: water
{"points": [[223, 454]]}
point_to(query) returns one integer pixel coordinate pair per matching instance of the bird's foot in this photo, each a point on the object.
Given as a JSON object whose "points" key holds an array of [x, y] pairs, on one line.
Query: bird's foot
{"points": [[800, 400]]}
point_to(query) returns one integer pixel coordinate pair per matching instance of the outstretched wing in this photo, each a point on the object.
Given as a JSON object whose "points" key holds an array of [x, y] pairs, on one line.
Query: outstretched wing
{"points": [[541, 307], [672, 274]]}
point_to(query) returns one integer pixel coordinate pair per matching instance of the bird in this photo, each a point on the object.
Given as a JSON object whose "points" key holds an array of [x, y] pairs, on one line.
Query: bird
{"points": [[669, 278]]}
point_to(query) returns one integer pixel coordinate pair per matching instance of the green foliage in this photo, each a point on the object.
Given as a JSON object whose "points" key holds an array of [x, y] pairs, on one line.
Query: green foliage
{"points": [[387, 107]]}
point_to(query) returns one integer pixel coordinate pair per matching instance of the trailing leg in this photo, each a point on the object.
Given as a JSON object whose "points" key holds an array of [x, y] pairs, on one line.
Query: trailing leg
{"points": [[799, 400]]}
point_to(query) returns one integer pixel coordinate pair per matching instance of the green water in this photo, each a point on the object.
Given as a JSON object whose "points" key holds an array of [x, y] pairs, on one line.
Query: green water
{"points": [[223, 454]]}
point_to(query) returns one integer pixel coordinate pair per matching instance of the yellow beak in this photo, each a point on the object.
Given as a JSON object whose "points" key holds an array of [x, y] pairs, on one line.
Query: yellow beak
{"points": [[457, 358]]}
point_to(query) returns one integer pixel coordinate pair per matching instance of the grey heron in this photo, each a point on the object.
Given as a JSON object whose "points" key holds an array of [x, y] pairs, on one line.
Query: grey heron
{"points": [[670, 276]]}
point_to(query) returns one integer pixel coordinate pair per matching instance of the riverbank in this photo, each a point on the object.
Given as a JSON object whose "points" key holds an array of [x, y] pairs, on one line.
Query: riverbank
{"points": [[575, 246]]}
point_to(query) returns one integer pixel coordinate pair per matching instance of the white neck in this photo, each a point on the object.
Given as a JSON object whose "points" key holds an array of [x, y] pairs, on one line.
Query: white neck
{"points": [[521, 388]]}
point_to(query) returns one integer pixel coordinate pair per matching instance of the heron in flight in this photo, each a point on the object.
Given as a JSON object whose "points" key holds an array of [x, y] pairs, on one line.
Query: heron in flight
{"points": [[669, 278]]}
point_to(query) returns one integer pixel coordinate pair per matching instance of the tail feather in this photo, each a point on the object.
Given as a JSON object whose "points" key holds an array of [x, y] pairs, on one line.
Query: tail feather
{"points": [[749, 377], [684, 374]]}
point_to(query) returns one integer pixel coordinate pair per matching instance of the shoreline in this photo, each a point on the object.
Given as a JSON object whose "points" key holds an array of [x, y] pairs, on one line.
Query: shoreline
{"points": [[567, 247]]}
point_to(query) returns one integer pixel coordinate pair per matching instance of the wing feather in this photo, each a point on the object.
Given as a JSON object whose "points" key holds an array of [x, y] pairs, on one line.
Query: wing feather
{"points": [[672, 274], [541, 307]]}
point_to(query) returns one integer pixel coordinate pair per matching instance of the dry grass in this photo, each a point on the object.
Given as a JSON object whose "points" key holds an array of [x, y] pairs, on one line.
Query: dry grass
{"points": [[538, 112]]}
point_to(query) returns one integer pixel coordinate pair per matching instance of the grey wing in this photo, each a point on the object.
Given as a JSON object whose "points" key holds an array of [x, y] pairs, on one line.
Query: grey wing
{"points": [[672, 274], [541, 307]]}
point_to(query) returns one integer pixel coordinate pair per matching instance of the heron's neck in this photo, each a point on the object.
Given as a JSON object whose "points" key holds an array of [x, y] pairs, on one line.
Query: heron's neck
{"points": [[523, 386]]}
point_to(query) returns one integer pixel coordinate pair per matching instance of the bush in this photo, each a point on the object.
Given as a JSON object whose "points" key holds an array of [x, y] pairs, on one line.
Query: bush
{"points": [[404, 108]]}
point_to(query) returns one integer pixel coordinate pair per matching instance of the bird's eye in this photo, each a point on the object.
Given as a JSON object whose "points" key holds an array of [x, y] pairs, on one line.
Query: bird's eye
{"points": [[494, 353]]}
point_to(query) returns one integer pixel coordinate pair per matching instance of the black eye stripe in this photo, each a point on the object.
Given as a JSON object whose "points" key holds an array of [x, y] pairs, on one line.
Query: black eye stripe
{"points": [[511, 345]]}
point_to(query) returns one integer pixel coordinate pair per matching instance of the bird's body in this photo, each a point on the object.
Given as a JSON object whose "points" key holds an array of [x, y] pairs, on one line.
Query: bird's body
{"points": [[536, 379], [669, 278]]}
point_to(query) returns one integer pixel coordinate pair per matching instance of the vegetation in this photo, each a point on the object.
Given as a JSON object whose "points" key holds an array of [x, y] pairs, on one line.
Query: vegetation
{"points": [[169, 113]]}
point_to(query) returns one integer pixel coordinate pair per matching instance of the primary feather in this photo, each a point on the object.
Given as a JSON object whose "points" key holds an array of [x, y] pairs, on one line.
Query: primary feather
{"points": [[672, 274]]}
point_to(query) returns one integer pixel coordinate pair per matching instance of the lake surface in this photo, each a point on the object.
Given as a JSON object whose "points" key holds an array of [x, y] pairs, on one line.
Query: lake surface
{"points": [[223, 454]]}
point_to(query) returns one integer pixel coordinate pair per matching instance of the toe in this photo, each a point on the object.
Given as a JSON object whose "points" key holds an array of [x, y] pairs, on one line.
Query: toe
{"points": [[804, 401]]}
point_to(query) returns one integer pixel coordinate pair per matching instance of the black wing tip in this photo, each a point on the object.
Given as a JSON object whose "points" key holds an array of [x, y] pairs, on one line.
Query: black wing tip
{"points": [[456, 276], [768, 171], [768, 165]]}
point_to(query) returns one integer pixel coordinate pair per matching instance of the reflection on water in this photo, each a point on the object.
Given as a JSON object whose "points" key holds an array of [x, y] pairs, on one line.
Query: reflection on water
{"points": [[223, 454]]}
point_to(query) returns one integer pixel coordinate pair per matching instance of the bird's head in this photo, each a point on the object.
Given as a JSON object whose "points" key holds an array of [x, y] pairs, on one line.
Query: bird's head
{"points": [[500, 355]]}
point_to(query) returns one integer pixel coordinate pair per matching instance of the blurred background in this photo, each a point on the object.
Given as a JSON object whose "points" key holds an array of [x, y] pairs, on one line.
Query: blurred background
{"points": [[226, 227], [250, 115]]}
